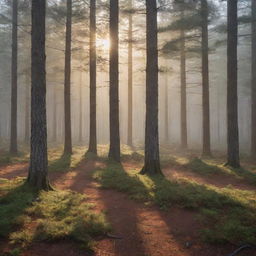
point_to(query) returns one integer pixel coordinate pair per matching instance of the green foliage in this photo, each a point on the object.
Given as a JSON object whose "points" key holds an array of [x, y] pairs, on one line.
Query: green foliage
{"points": [[15, 198], [61, 163], [6, 158], [189, 22], [208, 167], [15, 252], [228, 213], [27, 217], [63, 214]]}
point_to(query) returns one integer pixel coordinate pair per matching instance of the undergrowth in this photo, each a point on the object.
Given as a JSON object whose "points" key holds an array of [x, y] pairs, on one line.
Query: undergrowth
{"points": [[229, 214], [27, 216], [208, 167]]}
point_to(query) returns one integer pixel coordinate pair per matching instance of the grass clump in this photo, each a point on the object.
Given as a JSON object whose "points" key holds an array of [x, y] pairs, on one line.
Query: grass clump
{"points": [[7, 158], [27, 216], [15, 198], [209, 167], [61, 163], [115, 177], [229, 214]]}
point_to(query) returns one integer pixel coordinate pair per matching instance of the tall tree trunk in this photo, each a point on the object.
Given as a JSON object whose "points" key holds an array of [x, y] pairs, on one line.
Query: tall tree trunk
{"points": [[54, 121], [152, 161], [27, 100], [253, 85], [205, 80], [232, 97], [183, 93], [80, 136], [67, 95], [166, 109], [130, 77], [93, 90], [13, 140], [38, 170], [114, 151]]}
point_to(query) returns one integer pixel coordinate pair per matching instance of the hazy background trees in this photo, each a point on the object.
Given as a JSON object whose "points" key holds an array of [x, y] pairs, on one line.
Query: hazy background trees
{"points": [[169, 81]]}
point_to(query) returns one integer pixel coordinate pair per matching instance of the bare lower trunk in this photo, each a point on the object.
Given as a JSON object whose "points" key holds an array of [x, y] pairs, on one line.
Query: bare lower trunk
{"points": [[152, 161], [54, 121], [27, 121], [205, 80], [232, 98], [38, 170], [93, 92], [114, 151], [166, 110], [67, 95], [13, 140], [130, 79], [253, 85], [183, 93], [80, 137]]}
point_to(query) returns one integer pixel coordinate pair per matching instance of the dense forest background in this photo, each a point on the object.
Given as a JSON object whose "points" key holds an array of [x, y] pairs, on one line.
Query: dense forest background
{"points": [[169, 77], [127, 127]]}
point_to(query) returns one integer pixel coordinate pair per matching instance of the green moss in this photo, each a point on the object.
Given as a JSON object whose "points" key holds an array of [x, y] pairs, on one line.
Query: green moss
{"points": [[27, 217], [61, 163], [15, 198], [225, 211], [7, 158]]}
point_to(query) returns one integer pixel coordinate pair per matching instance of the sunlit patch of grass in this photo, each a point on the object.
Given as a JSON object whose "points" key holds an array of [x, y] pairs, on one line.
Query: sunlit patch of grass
{"points": [[27, 216], [127, 153], [60, 162], [15, 197], [208, 167], [229, 214], [7, 158]]}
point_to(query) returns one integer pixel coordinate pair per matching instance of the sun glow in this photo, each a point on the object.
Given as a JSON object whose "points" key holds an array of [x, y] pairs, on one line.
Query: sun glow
{"points": [[103, 43]]}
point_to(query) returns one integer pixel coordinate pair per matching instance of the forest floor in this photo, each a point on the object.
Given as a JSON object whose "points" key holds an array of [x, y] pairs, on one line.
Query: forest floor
{"points": [[146, 217]]}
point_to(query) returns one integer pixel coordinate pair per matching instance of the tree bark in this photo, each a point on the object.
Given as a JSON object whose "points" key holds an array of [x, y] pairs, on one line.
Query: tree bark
{"points": [[152, 160], [232, 97], [130, 77], [38, 170], [93, 90], [166, 109], [205, 80], [67, 83], [114, 151], [13, 139], [80, 136], [184, 139], [54, 123], [27, 100], [253, 83]]}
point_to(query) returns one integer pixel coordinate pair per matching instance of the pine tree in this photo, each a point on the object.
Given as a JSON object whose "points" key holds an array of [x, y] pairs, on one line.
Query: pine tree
{"points": [[152, 160], [253, 81], [13, 141], [114, 151], [183, 87], [67, 83], [205, 79], [232, 98], [93, 101], [130, 76], [38, 170]]}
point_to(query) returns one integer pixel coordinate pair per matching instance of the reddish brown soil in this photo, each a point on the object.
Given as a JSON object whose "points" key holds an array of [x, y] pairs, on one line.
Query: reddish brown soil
{"points": [[14, 170], [144, 230], [220, 181], [217, 180]]}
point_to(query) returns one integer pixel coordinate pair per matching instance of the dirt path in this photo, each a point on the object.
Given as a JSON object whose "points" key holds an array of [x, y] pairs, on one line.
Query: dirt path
{"points": [[217, 180], [14, 170], [145, 231]]}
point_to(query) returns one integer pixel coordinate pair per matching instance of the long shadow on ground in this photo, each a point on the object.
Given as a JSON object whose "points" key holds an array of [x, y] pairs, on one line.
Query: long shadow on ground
{"points": [[121, 212]]}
